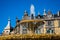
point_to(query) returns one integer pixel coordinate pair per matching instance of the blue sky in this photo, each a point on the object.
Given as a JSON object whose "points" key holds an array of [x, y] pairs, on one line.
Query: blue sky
{"points": [[13, 8]]}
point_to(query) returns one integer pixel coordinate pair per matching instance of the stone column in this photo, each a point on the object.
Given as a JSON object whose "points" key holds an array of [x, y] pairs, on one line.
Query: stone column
{"points": [[20, 29], [45, 27], [56, 24], [27, 28]]}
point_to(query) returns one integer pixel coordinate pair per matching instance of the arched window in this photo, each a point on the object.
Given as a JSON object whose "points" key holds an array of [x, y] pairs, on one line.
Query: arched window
{"points": [[24, 30]]}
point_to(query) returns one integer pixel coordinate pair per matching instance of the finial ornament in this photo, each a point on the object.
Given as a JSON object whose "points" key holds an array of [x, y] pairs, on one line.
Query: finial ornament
{"points": [[9, 24]]}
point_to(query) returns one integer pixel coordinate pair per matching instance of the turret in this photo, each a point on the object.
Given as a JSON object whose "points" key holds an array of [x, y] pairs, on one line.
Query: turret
{"points": [[7, 28], [25, 13]]}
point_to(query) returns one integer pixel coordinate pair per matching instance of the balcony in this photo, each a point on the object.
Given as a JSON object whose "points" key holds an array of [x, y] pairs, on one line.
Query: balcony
{"points": [[31, 37]]}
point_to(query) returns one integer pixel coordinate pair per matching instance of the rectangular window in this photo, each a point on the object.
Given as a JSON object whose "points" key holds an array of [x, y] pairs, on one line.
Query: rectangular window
{"points": [[50, 23], [24, 30], [38, 31], [50, 30]]}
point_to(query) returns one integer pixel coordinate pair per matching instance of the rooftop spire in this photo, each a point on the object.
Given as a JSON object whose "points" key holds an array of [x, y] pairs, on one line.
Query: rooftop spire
{"points": [[32, 9], [44, 12]]}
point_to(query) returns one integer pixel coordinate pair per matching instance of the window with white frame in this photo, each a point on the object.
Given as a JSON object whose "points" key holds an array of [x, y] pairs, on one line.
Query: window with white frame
{"points": [[49, 30]]}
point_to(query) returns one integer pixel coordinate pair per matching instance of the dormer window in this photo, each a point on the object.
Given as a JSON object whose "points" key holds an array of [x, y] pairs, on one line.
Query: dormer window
{"points": [[49, 16]]}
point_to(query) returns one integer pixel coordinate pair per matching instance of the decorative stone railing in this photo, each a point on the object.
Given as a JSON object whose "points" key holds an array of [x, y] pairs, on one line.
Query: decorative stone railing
{"points": [[32, 36]]}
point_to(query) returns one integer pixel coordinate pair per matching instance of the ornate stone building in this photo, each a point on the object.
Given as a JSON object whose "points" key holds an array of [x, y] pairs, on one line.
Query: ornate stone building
{"points": [[30, 24]]}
